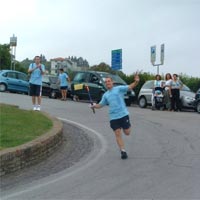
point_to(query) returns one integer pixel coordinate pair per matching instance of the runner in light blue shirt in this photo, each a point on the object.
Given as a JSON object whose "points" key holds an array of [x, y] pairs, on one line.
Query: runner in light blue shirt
{"points": [[118, 113], [115, 99]]}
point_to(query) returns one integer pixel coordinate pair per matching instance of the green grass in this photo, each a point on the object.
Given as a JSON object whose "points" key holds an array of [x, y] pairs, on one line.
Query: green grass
{"points": [[20, 126]]}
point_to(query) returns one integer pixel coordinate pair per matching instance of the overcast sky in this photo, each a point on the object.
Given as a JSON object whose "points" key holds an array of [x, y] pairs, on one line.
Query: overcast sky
{"points": [[92, 28]]}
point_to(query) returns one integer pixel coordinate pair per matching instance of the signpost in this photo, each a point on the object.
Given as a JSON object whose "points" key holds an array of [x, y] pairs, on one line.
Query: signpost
{"points": [[153, 56], [116, 63], [13, 44]]}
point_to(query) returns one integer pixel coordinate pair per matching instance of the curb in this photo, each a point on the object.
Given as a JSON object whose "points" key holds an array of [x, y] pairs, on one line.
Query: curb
{"points": [[17, 158]]}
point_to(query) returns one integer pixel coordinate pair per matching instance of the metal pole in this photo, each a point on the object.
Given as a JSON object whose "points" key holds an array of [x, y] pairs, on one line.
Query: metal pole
{"points": [[157, 69], [14, 58]]}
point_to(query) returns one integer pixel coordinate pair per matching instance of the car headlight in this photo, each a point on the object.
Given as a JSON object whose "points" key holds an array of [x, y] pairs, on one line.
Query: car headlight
{"points": [[189, 98], [133, 93]]}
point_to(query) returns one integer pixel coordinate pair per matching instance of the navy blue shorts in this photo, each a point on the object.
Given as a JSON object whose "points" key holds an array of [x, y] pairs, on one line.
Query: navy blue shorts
{"points": [[35, 90], [123, 123], [63, 87]]}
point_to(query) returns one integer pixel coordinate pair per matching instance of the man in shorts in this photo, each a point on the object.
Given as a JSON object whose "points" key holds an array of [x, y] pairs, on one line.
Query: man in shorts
{"points": [[36, 71], [118, 113]]}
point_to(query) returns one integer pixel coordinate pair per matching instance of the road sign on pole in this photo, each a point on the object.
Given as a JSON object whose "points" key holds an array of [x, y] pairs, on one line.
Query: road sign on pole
{"points": [[162, 51], [116, 62], [153, 54]]}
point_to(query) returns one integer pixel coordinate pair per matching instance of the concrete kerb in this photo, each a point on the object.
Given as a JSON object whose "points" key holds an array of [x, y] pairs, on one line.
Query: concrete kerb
{"points": [[16, 158]]}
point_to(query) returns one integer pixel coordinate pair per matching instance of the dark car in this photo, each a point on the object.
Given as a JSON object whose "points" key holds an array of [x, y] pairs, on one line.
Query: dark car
{"points": [[14, 81], [96, 83], [50, 86], [197, 101]]}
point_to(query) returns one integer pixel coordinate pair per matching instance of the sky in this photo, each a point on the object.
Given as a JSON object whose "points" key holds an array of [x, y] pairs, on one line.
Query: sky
{"points": [[93, 28]]}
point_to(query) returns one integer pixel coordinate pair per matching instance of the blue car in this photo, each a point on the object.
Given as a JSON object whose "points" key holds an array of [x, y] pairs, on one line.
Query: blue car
{"points": [[14, 81]]}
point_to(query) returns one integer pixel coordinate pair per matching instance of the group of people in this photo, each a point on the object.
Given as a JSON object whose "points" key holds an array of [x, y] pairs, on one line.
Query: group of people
{"points": [[118, 113], [113, 97], [36, 70], [171, 91]]}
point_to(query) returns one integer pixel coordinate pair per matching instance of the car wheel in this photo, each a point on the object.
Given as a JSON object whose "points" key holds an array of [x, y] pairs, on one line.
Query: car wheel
{"points": [[142, 102], [198, 107], [2, 87], [53, 94]]}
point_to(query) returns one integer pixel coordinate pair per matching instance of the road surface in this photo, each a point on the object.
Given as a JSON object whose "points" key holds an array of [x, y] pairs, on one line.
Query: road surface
{"points": [[163, 163]]}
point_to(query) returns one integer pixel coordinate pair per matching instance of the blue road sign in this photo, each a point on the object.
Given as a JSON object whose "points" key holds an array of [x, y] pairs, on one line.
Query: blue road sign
{"points": [[116, 62]]}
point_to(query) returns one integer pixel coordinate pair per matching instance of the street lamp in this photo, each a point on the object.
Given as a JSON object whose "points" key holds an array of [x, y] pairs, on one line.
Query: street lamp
{"points": [[13, 45]]}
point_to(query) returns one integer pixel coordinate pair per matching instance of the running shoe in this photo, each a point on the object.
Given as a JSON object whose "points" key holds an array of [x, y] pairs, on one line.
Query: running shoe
{"points": [[124, 155], [38, 108]]}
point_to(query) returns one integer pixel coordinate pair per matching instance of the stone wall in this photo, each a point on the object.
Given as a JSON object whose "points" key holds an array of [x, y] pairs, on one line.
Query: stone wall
{"points": [[13, 159]]}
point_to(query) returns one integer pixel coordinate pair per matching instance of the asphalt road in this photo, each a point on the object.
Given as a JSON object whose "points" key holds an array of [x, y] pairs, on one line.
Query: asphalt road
{"points": [[163, 163]]}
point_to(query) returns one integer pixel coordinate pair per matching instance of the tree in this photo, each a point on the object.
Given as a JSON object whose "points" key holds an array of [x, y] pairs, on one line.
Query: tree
{"points": [[5, 58]]}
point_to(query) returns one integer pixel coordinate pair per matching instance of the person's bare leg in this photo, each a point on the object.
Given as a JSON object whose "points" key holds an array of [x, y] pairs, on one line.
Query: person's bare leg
{"points": [[118, 135], [62, 92], [127, 131], [33, 100], [65, 94], [39, 99]]}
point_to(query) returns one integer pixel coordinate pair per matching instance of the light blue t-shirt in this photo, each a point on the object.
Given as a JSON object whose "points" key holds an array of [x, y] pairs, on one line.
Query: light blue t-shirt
{"points": [[114, 98], [36, 75], [176, 84], [63, 79]]}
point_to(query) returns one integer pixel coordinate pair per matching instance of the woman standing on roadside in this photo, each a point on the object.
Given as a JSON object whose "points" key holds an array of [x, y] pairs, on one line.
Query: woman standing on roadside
{"points": [[167, 91], [176, 85], [64, 80]]}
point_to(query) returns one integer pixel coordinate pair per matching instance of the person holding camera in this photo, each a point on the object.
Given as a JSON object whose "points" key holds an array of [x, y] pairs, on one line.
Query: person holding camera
{"points": [[36, 71]]}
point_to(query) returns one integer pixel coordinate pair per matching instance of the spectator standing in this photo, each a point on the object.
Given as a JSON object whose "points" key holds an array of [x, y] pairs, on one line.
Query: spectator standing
{"points": [[64, 82], [36, 71], [167, 91], [176, 85]]}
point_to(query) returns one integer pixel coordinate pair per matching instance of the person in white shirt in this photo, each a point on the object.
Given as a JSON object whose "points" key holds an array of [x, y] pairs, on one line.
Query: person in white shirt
{"points": [[167, 91]]}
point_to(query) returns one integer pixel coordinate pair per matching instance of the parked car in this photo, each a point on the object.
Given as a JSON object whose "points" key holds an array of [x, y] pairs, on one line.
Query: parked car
{"points": [[96, 83], [197, 101], [187, 97], [14, 81], [51, 87]]}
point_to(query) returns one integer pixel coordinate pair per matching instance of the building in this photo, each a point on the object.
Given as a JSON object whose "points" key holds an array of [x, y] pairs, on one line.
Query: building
{"points": [[70, 63]]}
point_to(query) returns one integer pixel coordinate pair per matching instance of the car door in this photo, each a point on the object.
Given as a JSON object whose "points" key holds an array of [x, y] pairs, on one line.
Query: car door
{"points": [[94, 86], [78, 85], [12, 81], [45, 86], [22, 82]]}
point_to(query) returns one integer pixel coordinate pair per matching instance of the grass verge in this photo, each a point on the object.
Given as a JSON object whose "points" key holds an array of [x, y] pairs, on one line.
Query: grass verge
{"points": [[20, 126]]}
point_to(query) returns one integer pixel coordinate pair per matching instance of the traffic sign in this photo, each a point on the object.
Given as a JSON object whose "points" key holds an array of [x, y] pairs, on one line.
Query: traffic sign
{"points": [[153, 54], [116, 62], [162, 51]]}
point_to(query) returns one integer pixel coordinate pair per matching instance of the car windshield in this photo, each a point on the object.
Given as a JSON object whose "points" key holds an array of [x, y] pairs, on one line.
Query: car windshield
{"points": [[116, 79], [53, 79], [185, 88]]}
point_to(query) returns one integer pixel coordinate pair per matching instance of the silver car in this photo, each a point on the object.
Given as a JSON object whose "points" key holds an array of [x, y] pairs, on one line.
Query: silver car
{"points": [[187, 97]]}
